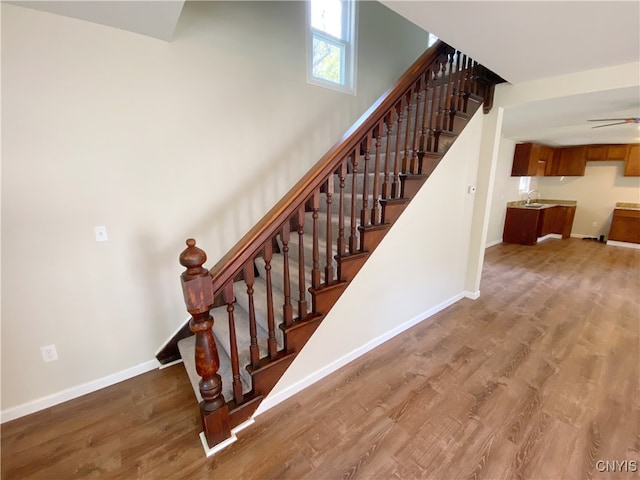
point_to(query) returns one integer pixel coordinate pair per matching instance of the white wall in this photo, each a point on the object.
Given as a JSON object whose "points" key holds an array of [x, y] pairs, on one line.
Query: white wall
{"points": [[158, 142], [424, 260], [607, 181]]}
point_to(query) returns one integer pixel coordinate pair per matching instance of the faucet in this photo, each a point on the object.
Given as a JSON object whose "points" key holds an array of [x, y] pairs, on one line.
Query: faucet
{"points": [[529, 195]]}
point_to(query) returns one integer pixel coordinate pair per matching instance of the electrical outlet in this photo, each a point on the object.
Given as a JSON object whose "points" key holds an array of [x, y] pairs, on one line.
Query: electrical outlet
{"points": [[49, 353], [101, 234]]}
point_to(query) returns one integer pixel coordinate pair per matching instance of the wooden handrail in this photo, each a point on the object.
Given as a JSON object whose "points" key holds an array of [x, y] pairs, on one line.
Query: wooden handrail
{"points": [[231, 263]]}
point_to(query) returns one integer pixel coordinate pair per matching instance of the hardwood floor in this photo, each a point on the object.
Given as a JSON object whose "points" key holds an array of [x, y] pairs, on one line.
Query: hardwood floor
{"points": [[538, 378]]}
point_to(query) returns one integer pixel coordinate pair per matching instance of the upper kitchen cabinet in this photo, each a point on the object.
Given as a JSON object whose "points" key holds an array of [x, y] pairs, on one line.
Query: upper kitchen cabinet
{"points": [[530, 159], [607, 152], [533, 159], [567, 161], [632, 166]]}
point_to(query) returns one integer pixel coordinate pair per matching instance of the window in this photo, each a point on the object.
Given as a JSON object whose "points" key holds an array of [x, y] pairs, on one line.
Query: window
{"points": [[331, 49]]}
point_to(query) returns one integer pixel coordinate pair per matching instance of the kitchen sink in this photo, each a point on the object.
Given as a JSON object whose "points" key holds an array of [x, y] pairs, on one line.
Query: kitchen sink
{"points": [[534, 205]]}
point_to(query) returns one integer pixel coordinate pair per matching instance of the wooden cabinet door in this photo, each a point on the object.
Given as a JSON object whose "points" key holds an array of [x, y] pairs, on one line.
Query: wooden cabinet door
{"points": [[568, 161], [617, 152], [596, 152], [521, 226], [529, 159], [625, 226], [632, 167], [522, 160]]}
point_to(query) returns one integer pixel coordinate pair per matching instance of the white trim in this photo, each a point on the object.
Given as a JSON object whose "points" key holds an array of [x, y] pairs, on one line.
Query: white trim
{"points": [[549, 235], [615, 243], [491, 244], [208, 451], [273, 400], [472, 295], [75, 392], [170, 364]]}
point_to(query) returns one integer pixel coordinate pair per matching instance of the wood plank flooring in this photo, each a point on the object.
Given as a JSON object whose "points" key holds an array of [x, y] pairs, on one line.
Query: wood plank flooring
{"points": [[539, 378]]}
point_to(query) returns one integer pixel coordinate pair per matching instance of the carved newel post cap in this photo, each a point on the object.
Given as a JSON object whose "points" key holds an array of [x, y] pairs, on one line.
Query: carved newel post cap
{"points": [[192, 257]]}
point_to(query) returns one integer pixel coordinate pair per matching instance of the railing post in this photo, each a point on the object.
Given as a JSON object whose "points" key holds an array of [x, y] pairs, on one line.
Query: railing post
{"points": [[198, 296]]}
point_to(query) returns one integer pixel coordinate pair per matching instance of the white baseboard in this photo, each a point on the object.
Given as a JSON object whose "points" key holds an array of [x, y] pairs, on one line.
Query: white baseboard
{"points": [[548, 236], [615, 243], [472, 295], [273, 400], [491, 244], [170, 364], [75, 392]]}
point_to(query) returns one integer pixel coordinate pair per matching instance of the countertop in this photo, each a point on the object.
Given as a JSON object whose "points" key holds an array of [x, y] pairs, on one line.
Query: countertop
{"points": [[627, 206], [544, 203]]}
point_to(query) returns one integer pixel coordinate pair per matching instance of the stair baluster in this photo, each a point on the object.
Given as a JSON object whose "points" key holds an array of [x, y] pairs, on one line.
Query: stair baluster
{"points": [[364, 212], [463, 84], [287, 309], [302, 298], [413, 167], [233, 344], [375, 209], [407, 131], [424, 132], [354, 188], [342, 173], [249, 279], [395, 187], [328, 269], [389, 120], [272, 345], [315, 272]]}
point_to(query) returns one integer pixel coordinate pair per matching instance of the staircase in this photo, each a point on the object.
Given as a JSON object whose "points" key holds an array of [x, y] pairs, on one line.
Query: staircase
{"points": [[254, 310]]}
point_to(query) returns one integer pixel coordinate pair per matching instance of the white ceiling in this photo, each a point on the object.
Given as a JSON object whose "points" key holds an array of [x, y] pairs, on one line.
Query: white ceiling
{"points": [[529, 40], [555, 37]]}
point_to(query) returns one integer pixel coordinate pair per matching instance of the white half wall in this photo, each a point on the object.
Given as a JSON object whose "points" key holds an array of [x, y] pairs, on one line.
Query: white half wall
{"points": [[419, 268], [158, 142]]}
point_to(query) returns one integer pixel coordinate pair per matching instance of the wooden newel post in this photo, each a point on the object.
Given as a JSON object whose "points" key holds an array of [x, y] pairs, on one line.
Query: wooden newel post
{"points": [[198, 296]]}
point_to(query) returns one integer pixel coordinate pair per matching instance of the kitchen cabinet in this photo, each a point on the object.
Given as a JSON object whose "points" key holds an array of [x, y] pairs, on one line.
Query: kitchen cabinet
{"points": [[625, 225], [534, 159], [530, 159], [520, 226], [525, 225], [607, 152], [567, 161], [632, 165]]}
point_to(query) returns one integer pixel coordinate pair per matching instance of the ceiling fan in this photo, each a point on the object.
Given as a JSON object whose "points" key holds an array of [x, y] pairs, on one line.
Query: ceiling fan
{"points": [[618, 121]]}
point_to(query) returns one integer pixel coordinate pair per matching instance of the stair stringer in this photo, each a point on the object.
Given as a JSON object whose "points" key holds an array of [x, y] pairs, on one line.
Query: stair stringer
{"points": [[434, 232]]}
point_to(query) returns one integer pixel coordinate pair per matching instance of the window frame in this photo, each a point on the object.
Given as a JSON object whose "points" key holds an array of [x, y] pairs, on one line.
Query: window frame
{"points": [[349, 46]]}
